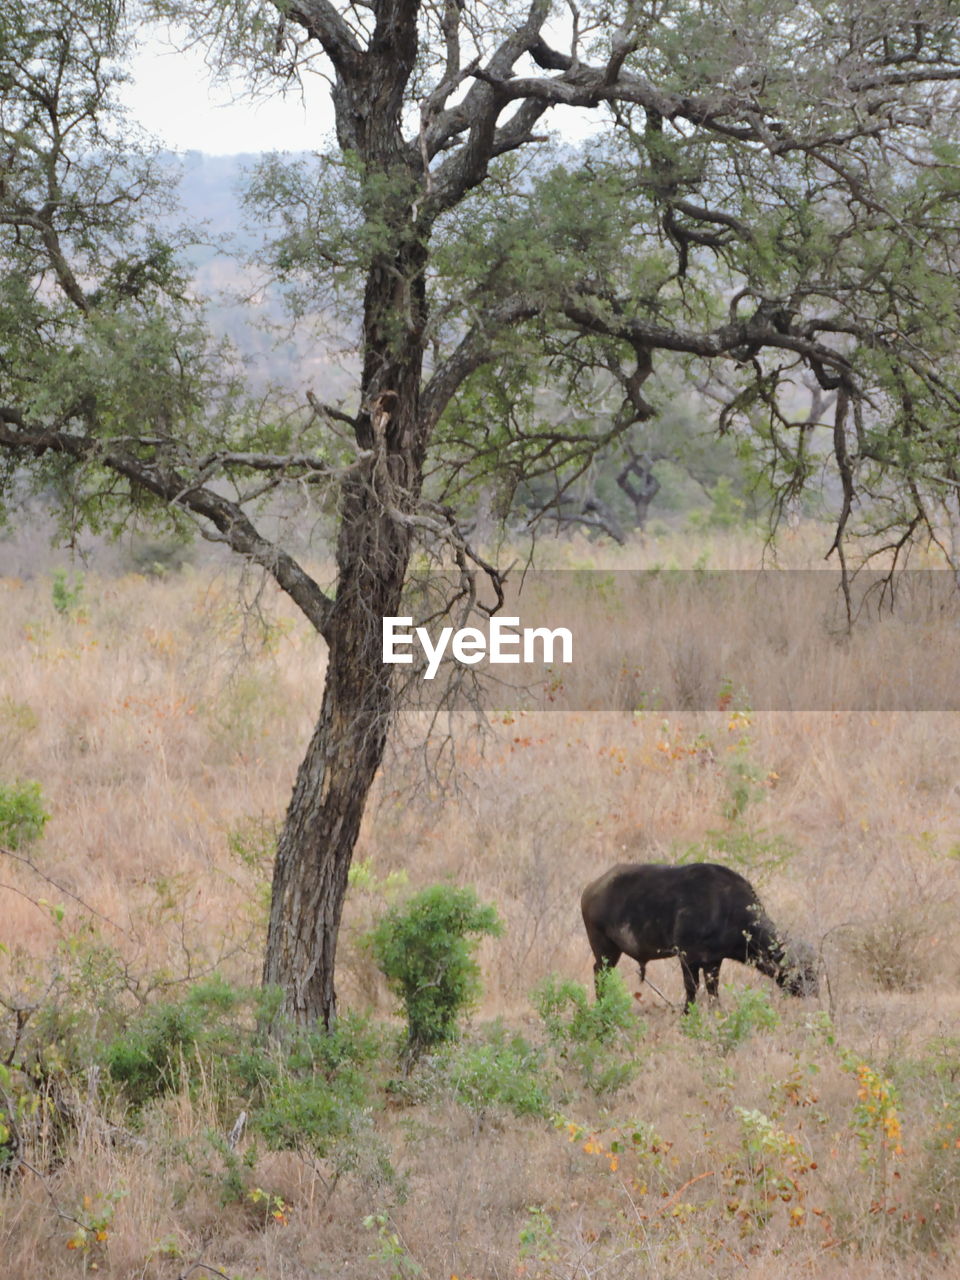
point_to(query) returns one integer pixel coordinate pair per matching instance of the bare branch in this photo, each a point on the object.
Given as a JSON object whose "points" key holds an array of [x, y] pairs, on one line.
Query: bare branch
{"points": [[480, 108]]}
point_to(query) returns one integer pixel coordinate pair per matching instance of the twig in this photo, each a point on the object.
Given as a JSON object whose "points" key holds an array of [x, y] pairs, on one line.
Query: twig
{"points": [[18, 857], [659, 992], [710, 1173], [67, 1217], [236, 1133]]}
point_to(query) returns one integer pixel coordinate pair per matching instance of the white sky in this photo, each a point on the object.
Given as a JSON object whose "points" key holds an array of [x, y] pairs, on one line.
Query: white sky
{"points": [[173, 98]]}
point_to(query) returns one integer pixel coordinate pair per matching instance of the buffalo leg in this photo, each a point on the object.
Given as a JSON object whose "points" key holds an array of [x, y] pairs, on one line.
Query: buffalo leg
{"points": [[605, 954], [711, 979], [691, 980]]}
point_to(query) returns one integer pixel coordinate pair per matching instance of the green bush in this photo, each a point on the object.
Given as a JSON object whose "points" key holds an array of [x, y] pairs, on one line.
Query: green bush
{"points": [[753, 850], [750, 1010], [599, 1036], [157, 557], [936, 1187], [311, 1092], [424, 948], [22, 815], [571, 1016], [503, 1070], [320, 1102], [67, 595], [172, 1045]]}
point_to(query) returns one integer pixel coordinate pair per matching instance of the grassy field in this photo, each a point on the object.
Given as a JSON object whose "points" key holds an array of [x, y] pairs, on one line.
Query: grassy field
{"points": [[163, 723]]}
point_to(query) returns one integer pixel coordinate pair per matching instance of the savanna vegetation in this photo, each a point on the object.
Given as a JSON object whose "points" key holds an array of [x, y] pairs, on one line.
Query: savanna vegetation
{"points": [[151, 1128]]}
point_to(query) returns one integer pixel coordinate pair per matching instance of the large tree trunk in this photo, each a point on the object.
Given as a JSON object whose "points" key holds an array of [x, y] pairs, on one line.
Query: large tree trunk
{"points": [[373, 546], [373, 551], [333, 782]]}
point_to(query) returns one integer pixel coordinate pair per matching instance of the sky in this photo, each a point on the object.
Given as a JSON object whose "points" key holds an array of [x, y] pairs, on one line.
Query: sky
{"points": [[172, 97]]}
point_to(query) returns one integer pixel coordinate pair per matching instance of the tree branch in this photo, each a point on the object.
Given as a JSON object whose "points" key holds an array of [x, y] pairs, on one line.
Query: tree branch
{"points": [[172, 487], [473, 351], [322, 22], [482, 105]]}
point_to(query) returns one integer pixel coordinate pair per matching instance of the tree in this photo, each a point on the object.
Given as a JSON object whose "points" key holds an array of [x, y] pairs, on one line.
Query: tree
{"points": [[773, 193]]}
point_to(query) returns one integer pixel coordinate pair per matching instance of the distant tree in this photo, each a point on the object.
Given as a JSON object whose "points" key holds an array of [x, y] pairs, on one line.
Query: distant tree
{"points": [[774, 192]]}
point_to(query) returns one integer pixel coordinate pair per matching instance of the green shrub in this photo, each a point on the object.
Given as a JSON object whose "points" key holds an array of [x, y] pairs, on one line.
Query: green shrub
{"points": [[8, 1132], [599, 1036], [937, 1179], [753, 850], [424, 948], [503, 1070], [320, 1101], [309, 1093], [253, 842], [310, 1112], [750, 1010], [157, 557], [172, 1045], [571, 1016], [67, 596], [22, 815]]}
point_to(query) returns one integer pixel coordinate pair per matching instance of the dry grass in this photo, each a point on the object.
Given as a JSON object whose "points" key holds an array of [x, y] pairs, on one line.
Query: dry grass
{"points": [[165, 731]]}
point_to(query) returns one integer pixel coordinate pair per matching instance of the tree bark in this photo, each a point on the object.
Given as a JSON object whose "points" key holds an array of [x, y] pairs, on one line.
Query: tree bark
{"points": [[323, 819], [373, 552]]}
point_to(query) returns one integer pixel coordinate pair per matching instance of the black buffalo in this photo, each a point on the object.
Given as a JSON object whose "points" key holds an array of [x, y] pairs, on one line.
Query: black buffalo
{"points": [[703, 914]]}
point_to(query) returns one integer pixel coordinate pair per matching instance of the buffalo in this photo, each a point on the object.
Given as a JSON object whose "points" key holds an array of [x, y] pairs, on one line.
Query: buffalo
{"points": [[703, 913]]}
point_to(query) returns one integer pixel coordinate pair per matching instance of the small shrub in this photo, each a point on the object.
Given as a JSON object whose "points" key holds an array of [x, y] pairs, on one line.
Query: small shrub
{"points": [[369, 895], [504, 1070], [750, 1010], [67, 593], [937, 1186], [893, 950], [752, 850], [535, 1240], [172, 1045], [9, 1139], [391, 1250], [598, 1036], [22, 815], [876, 1115], [17, 721], [424, 949], [253, 842], [571, 1016], [772, 1171], [157, 557], [247, 709], [726, 511], [309, 1112], [319, 1102]]}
